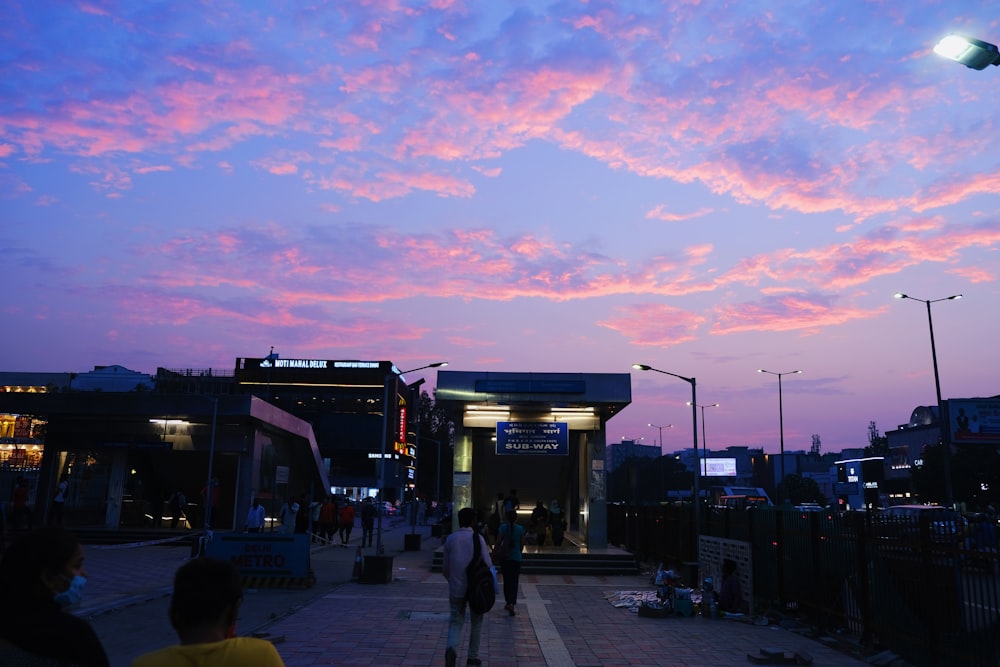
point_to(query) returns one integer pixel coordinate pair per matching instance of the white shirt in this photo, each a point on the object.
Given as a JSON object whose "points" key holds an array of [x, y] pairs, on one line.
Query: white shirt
{"points": [[255, 517], [458, 551]]}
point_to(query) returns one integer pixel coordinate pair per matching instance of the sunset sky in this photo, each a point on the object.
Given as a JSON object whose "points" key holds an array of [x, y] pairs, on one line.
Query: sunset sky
{"points": [[705, 187]]}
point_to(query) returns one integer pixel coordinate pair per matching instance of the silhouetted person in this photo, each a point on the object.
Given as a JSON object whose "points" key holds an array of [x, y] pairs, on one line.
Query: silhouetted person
{"points": [[41, 576], [203, 611]]}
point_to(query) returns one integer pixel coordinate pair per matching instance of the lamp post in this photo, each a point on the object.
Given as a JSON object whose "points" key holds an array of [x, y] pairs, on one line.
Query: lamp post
{"points": [[973, 53], [937, 388], [694, 431], [389, 381], [209, 487], [661, 433], [781, 421], [703, 466]]}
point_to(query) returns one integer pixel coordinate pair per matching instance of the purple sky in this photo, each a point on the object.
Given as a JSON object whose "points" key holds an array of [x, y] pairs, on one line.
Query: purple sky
{"points": [[547, 187]]}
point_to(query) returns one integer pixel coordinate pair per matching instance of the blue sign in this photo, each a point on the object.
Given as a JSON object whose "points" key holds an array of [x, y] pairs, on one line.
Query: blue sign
{"points": [[263, 554], [533, 438]]}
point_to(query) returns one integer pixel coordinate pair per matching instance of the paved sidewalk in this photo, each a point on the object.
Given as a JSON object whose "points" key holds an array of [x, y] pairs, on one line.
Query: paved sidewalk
{"points": [[561, 621]]}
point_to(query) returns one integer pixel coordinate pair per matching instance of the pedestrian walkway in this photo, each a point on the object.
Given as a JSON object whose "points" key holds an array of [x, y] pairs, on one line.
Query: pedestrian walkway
{"points": [[561, 621]]}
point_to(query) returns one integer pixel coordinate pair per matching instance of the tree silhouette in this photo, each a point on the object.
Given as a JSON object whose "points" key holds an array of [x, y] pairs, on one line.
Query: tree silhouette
{"points": [[799, 490]]}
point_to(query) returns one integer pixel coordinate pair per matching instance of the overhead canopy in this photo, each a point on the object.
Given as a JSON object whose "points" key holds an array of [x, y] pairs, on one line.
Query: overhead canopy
{"points": [[483, 398]]}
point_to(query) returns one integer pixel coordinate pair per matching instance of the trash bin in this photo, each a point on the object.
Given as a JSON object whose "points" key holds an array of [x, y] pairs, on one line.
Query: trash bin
{"points": [[377, 570], [411, 542]]}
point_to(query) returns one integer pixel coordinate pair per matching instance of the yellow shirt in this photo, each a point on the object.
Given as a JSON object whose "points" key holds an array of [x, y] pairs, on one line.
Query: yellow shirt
{"points": [[235, 652]]}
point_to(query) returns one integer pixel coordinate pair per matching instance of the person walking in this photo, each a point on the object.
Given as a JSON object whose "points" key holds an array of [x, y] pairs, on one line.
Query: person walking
{"points": [[496, 517], [367, 521], [539, 522], [302, 515], [513, 533], [176, 503], [346, 522], [286, 516], [557, 523], [256, 517], [327, 520], [458, 552], [59, 501]]}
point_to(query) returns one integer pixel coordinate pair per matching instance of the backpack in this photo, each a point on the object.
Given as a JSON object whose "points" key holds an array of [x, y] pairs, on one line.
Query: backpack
{"points": [[481, 593]]}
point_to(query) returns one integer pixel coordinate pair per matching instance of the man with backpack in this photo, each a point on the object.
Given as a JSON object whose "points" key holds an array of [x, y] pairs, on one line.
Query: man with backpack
{"points": [[459, 550]]}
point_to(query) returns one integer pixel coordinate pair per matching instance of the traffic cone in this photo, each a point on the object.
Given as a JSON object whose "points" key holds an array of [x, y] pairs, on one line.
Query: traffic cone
{"points": [[356, 575]]}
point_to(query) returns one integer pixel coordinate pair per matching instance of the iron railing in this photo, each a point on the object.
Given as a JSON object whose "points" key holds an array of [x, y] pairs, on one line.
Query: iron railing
{"points": [[928, 592]]}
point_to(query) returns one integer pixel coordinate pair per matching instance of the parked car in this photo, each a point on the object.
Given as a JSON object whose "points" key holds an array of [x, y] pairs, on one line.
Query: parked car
{"points": [[810, 507], [906, 522]]}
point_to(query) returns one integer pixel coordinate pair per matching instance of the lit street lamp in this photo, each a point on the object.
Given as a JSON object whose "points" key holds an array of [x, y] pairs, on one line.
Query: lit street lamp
{"points": [[973, 53], [661, 433], [694, 432], [781, 422], [389, 383], [937, 388], [703, 466]]}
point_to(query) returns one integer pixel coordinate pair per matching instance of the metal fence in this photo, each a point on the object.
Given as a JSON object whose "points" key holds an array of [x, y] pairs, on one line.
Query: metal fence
{"points": [[928, 593]]}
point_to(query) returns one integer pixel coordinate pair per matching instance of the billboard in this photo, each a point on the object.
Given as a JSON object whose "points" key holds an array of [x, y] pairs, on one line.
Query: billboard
{"points": [[974, 421], [718, 467], [533, 438]]}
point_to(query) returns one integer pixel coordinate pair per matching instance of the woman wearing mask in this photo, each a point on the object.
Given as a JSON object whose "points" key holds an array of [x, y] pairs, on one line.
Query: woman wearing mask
{"points": [[42, 575]]}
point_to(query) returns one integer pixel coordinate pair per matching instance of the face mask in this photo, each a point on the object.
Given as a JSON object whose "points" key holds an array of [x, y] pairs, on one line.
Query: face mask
{"points": [[72, 595]]}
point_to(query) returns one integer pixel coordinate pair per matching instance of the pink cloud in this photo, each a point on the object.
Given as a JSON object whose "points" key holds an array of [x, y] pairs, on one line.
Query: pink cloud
{"points": [[490, 172], [153, 169], [974, 274], [655, 325], [282, 169], [659, 213], [809, 313]]}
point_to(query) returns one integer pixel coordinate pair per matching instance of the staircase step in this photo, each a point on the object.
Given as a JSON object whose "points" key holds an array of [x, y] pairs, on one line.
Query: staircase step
{"points": [[582, 564]]}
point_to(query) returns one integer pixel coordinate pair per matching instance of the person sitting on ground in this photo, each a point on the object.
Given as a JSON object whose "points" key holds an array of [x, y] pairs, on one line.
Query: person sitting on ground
{"points": [[41, 575], [203, 611], [730, 596]]}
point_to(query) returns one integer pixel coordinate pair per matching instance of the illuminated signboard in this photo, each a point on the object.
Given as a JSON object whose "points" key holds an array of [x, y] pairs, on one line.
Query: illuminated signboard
{"points": [[533, 438], [974, 421], [718, 467]]}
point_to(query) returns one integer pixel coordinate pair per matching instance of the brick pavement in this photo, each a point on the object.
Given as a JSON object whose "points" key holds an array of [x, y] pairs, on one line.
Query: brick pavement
{"points": [[562, 620]]}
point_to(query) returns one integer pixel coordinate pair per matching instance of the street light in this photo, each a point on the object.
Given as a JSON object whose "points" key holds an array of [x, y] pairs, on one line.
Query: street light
{"points": [[661, 433], [781, 421], [209, 487], [389, 380], [694, 432], [703, 467], [973, 53], [937, 388]]}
